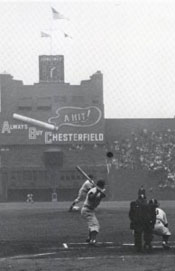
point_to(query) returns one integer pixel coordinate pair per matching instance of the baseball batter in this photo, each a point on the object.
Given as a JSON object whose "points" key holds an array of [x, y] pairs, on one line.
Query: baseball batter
{"points": [[87, 185], [161, 225], [93, 199]]}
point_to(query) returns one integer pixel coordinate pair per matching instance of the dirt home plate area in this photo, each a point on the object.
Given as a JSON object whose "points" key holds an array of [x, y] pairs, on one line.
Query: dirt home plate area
{"points": [[44, 236]]}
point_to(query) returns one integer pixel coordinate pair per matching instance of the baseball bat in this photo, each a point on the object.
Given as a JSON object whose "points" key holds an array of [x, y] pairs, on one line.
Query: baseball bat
{"points": [[87, 177], [34, 121], [84, 174]]}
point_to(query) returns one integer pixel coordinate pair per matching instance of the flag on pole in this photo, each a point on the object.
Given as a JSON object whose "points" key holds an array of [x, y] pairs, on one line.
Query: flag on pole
{"points": [[67, 36], [57, 15], [45, 35]]}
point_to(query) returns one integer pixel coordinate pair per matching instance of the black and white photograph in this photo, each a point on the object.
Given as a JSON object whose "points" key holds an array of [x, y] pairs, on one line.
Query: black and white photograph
{"points": [[87, 135]]}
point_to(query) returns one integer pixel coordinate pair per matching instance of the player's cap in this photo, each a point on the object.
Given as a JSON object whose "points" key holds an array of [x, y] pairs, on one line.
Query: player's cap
{"points": [[101, 183]]}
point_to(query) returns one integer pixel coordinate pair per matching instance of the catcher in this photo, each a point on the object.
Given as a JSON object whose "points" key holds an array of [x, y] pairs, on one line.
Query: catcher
{"points": [[93, 199], [87, 185], [161, 225]]}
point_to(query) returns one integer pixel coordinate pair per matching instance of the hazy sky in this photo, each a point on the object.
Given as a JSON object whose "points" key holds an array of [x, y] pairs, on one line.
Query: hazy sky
{"points": [[131, 42]]}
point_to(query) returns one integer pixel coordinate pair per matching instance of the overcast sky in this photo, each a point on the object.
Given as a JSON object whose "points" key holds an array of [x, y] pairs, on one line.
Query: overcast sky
{"points": [[132, 42]]}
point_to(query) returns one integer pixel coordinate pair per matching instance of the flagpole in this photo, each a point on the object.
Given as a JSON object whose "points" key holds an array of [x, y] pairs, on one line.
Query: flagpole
{"points": [[0, 97], [51, 40], [51, 34], [51, 44]]}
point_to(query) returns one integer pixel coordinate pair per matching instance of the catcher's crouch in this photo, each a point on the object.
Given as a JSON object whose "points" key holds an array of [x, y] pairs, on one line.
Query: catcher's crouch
{"points": [[161, 225], [93, 198]]}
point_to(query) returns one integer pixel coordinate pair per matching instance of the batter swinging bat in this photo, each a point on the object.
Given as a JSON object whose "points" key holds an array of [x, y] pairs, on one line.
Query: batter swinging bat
{"points": [[87, 177], [34, 122]]}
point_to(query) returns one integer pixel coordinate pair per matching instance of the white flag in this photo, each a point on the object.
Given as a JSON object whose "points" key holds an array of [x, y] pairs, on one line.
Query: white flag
{"points": [[67, 36], [45, 35], [57, 15]]}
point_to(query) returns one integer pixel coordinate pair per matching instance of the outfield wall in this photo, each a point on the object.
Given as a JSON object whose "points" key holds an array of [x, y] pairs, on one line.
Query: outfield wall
{"points": [[122, 184], [16, 183]]}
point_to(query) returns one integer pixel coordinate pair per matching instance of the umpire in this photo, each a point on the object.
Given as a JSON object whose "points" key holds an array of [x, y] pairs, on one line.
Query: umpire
{"points": [[142, 219]]}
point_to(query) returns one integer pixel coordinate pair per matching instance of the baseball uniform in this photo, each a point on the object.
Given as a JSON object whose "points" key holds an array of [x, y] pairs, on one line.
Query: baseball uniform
{"points": [[160, 227], [93, 199]]}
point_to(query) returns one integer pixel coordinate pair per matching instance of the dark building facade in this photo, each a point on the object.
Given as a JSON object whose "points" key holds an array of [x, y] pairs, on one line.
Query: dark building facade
{"points": [[37, 159]]}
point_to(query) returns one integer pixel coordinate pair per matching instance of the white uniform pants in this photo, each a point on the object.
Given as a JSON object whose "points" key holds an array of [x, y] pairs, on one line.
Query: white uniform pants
{"points": [[91, 219], [160, 229]]}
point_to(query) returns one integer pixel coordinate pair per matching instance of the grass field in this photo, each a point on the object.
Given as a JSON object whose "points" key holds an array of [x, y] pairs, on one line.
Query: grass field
{"points": [[32, 237]]}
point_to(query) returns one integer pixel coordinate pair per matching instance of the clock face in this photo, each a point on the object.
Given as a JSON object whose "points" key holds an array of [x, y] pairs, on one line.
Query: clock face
{"points": [[51, 69]]}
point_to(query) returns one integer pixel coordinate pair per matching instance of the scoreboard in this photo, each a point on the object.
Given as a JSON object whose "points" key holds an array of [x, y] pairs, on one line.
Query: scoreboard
{"points": [[51, 68]]}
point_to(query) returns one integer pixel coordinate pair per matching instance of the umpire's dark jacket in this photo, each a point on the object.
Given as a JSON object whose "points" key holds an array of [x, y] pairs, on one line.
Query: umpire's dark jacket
{"points": [[142, 215]]}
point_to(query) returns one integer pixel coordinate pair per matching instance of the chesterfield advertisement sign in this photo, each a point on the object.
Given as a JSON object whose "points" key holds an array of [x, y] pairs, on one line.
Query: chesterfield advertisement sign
{"points": [[68, 125]]}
